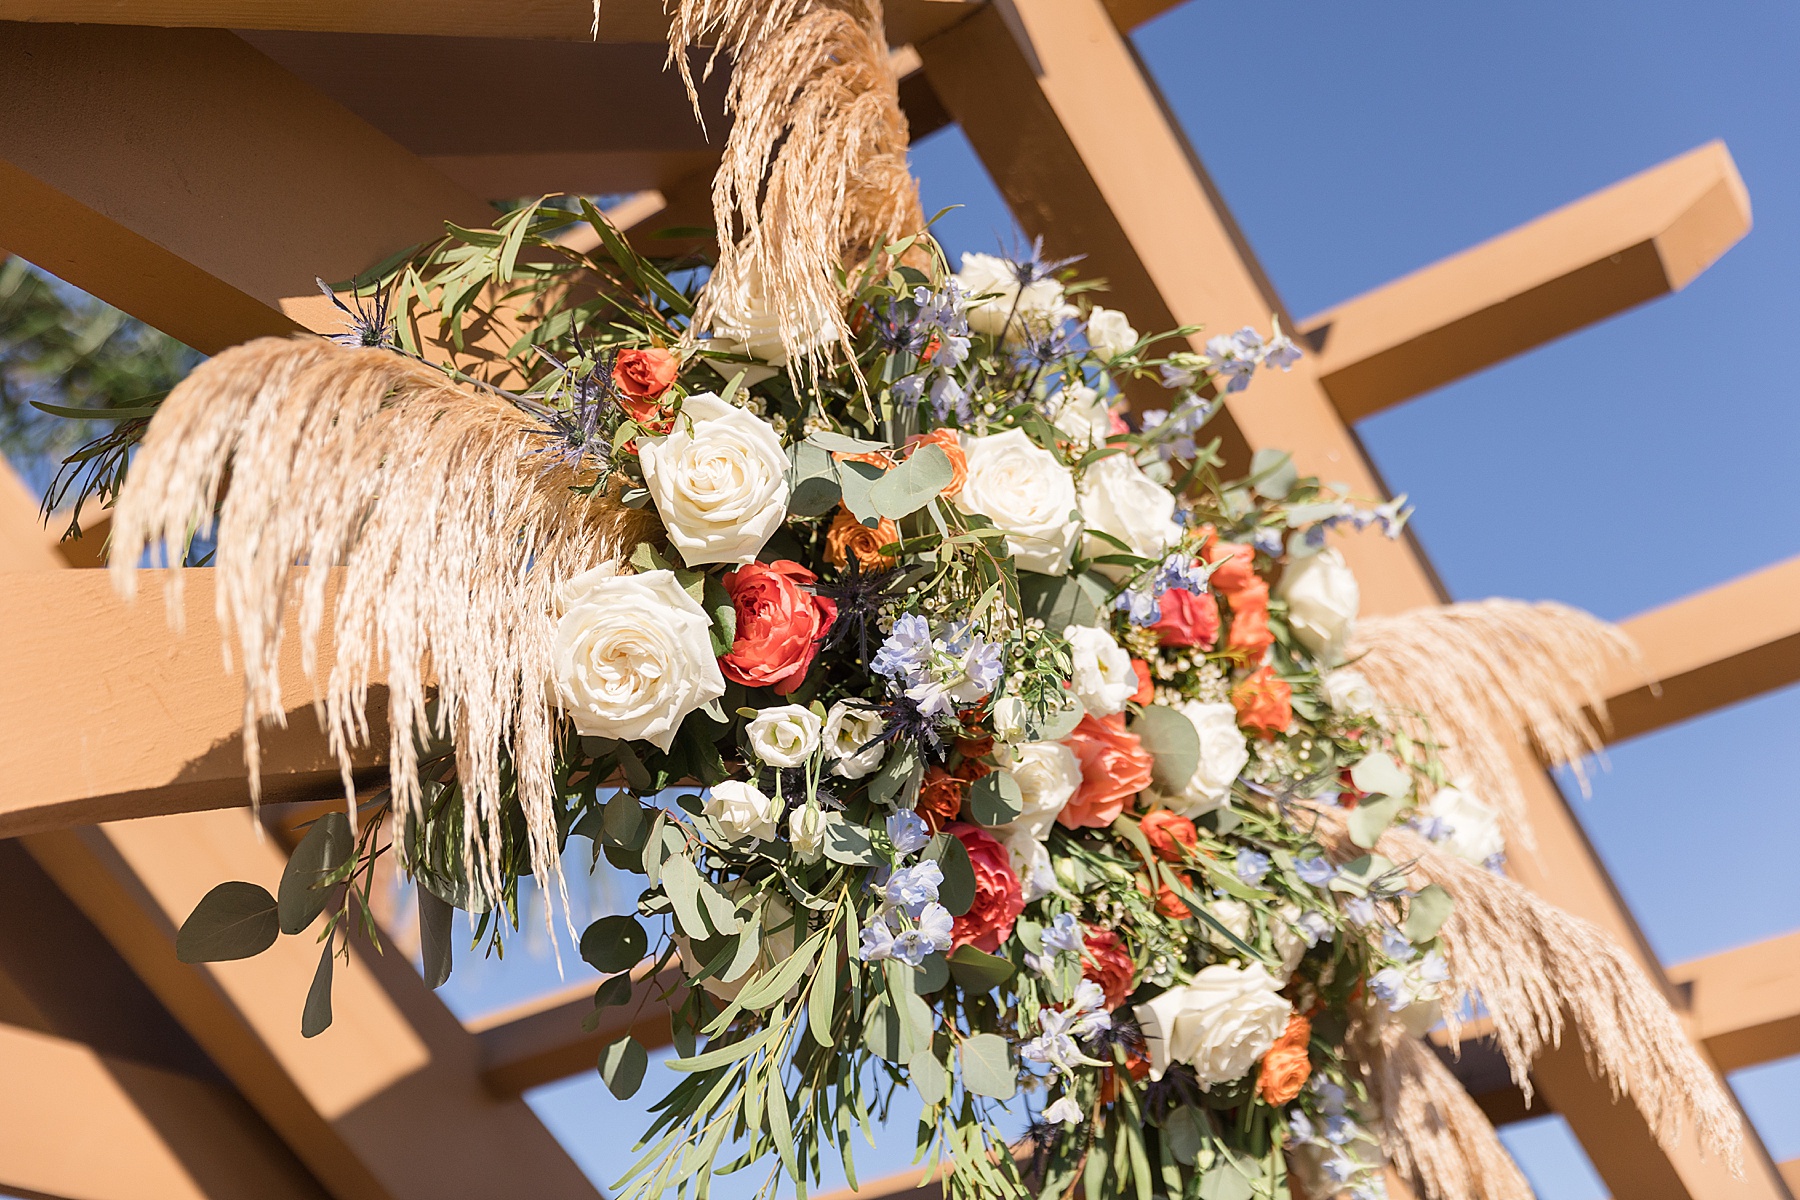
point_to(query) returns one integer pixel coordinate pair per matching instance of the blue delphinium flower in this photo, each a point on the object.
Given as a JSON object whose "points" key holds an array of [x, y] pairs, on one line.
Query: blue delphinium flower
{"points": [[1316, 870], [931, 933], [906, 650], [1064, 936], [910, 889], [877, 942], [1140, 607], [909, 833], [1396, 947], [1252, 865]]}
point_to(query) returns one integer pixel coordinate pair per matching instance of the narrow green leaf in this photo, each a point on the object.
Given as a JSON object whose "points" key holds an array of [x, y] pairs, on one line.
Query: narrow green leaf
{"points": [[315, 1018], [681, 882], [781, 1131], [436, 920], [724, 1056], [820, 1004], [825, 439], [234, 920], [957, 892]]}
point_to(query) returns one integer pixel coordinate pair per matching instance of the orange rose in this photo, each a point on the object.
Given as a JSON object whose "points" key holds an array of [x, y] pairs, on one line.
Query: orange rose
{"points": [[1168, 833], [1262, 702], [1236, 568], [1108, 964], [1250, 634], [940, 798], [1114, 768], [1168, 903], [875, 458], [1146, 686], [1286, 1067], [848, 536], [950, 443], [645, 374]]}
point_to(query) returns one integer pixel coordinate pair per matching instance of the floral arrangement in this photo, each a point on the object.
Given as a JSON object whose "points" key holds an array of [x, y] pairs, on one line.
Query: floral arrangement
{"points": [[971, 735]]}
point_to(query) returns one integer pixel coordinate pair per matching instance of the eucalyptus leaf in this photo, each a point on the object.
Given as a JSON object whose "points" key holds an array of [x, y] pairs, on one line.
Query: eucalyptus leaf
{"points": [[987, 1066], [622, 823], [957, 891], [315, 1018], [234, 920], [825, 439], [914, 483], [813, 489], [614, 944], [978, 971], [1060, 600], [995, 799], [932, 975], [613, 991], [436, 921], [1274, 474], [622, 1065], [1168, 735], [1426, 914], [848, 843], [717, 602], [895, 775], [681, 883], [1061, 723], [1183, 1135], [1225, 1182], [1371, 819], [881, 1031], [303, 894], [858, 479], [929, 1078]]}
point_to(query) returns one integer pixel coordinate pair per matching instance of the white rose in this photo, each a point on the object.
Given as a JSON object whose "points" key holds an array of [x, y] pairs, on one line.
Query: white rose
{"points": [[1473, 825], [1380, 774], [719, 481], [775, 948], [1082, 415], [1119, 499], [632, 656], [1289, 942], [785, 736], [1220, 1024], [1039, 306], [1223, 753], [806, 832], [1322, 598], [1048, 773], [1030, 862], [850, 727], [1010, 724], [1349, 693], [741, 811], [1109, 333], [1027, 493], [1103, 678], [1233, 915], [745, 321]]}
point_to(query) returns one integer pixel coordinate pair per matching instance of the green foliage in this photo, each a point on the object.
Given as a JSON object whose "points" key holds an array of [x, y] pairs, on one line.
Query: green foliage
{"points": [[234, 920]]}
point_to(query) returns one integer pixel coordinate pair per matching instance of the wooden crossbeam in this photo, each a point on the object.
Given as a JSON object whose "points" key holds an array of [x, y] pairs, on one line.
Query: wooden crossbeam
{"points": [[564, 20], [185, 178], [1088, 155], [1634, 241], [542, 1040], [1729, 643]]}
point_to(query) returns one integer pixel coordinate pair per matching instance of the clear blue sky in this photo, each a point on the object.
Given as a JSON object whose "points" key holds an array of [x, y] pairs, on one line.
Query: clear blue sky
{"points": [[1618, 469]]}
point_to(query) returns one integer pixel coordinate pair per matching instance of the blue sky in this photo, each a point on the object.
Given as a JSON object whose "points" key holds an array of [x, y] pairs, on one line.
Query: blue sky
{"points": [[1620, 468]]}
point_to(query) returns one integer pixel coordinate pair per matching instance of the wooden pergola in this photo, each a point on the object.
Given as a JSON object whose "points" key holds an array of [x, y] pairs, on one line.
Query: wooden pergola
{"points": [[197, 163]]}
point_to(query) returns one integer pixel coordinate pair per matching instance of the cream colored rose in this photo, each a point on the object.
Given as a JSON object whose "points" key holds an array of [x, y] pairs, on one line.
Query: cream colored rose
{"points": [[1030, 861], [1290, 943], [1220, 1024], [1047, 774], [632, 656], [1117, 498], [1103, 679], [1223, 753], [1322, 599], [1473, 826], [741, 811], [1109, 333], [719, 481], [1025, 492], [776, 945], [1349, 693], [784, 736], [1082, 414], [806, 832], [1233, 915], [746, 321], [850, 728], [1038, 306]]}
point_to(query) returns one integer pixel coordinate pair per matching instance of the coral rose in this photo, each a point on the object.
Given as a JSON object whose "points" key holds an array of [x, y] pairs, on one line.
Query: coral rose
{"points": [[1262, 702], [848, 536], [1168, 903], [999, 897], [645, 374], [1286, 1067], [1107, 964], [1236, 566], [1188, 620], [940, 798], [950, 443], [1114, 768], [1168, 833], [1249, 634], [779, 625], [1146, 686]]}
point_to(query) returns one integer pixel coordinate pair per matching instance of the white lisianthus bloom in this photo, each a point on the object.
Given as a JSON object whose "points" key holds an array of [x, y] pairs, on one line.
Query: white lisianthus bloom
{"points": [[777, 945], [1471, 826], [1233, 915], [850, 728], [1223, 753], [806, 832], [1103, 679], [1109, 333], [1082, 414], [1030, 861], [1025, 492], [1349, 693], [1010, 309], [1322, 598], [785, 736], [741, 811], [1290, 941], [1220, 1024], [745, 321], [1380, 774], [1117, 498], [632, 656], [719, 481], [1064, 1112], [1048, 773]]}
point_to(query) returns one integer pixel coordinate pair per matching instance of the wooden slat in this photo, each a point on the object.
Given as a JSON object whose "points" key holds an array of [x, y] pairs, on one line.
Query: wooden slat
{"points": [[1088, 155], [1745, 1003], [1634, 241], [185, 178], [566, 20], [1729, 643], [541, 1040]]}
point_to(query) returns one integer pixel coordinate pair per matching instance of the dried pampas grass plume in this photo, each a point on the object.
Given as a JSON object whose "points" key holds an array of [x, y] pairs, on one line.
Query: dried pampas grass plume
{"points": [[813, 176], [1431, 1131], [1479, 679], [451, 535], [1536, 969]]}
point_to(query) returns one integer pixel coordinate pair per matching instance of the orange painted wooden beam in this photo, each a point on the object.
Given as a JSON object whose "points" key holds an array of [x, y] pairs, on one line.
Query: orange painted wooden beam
{"points": [[1634, 241], [1729, 643]]}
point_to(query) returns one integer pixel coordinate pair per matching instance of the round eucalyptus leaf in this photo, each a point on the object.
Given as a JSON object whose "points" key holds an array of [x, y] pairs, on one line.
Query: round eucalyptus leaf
{"points": [[234, 920], [614, 944], [622, 1065]]}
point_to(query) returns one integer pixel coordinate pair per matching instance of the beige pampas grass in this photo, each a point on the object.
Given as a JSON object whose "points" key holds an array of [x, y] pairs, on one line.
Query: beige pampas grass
{"points": [[451, 536], [1431, 1131], [1536, 969], [1480, 678], [813, 175]]}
